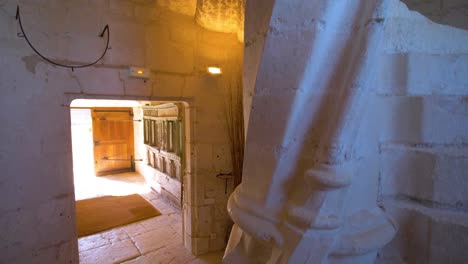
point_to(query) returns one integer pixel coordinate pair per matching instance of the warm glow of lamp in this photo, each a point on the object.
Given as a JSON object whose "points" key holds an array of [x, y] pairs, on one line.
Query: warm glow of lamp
{"points": [[139, 72], [214, 70]]}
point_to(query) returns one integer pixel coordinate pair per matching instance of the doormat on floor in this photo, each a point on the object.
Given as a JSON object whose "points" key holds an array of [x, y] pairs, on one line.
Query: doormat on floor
{"points": [[103, 213]]}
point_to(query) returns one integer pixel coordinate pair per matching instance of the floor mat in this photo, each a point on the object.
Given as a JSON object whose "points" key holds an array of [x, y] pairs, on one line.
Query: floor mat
{"points": [[103, 213]]}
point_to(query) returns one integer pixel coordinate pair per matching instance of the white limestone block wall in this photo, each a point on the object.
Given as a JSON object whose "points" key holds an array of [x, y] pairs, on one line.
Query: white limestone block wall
{"points": [[36, 183], [421, 110]]}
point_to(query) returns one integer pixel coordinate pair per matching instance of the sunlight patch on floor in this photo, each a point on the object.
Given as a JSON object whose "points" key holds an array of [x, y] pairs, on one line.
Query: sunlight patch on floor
{"points": [[116, 185]]}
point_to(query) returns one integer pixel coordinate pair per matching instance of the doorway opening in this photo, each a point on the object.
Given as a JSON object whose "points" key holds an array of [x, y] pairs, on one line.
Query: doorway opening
{"points": [[103, 149], [124, 148]]}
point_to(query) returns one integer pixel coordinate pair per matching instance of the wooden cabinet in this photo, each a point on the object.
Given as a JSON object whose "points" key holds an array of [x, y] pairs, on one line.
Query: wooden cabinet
{"points": [[163, 137]]}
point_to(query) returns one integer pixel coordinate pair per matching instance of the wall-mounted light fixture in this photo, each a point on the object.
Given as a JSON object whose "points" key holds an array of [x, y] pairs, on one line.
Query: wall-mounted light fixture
{"points": [[138, 72], [214, 70]]}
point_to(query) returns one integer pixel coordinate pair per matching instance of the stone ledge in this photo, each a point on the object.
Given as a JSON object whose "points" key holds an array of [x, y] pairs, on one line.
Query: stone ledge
{"points": [[437, 213]]}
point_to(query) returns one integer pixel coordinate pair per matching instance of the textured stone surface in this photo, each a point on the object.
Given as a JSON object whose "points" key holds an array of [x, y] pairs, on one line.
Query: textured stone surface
{"points": [[221, 15], [110, 253], [417, 100], [146, 242], [394, 120], [142, 34], [422, 74], [426, 174], [423, 120], [98, 240], [426, 235], [423, 140]]}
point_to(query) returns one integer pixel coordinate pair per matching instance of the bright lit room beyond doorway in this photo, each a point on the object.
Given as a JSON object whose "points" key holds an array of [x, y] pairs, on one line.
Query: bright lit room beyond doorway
{"points": [[128, 170]]}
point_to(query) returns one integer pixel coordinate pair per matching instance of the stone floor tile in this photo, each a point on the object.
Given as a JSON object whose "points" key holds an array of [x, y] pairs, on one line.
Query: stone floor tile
{"points": [[158, 222], [156, 239], [111, 253], [166, 209], [140, 260], [177, 216], [170, 254], [134, 229], [147, 225], [101, 239]]}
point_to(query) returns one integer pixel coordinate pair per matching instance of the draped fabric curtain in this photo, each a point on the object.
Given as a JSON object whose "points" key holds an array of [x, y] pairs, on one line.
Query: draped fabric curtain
{"points": [[235, 125]]}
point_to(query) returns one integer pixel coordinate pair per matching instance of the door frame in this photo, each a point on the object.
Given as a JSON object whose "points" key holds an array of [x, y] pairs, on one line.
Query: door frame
{"points": [[189, 177]]}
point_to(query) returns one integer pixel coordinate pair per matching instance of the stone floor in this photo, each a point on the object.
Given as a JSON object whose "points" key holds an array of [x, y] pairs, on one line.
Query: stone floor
{"points": [[154, 240]]}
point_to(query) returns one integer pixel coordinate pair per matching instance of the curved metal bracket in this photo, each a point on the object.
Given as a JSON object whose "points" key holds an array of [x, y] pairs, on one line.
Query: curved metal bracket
{"points": [[23, 35], [225, 177]]}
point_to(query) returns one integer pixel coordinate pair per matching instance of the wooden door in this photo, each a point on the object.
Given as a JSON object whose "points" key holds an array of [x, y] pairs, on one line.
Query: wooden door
{"points": [[113, 140]]}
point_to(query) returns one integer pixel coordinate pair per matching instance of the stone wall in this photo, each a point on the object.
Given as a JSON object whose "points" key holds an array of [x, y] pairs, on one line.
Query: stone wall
{"points": [[305, 191], [36, 183], [420, 110], [322, 114]]}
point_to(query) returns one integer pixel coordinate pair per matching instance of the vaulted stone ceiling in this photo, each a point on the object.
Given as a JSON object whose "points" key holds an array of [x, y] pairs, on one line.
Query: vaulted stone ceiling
{"points": [[218, 15], [221, 15], [186, 7]]}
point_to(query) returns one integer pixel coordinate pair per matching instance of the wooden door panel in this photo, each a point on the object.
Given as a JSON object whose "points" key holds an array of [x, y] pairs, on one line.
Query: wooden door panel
{"points": [[113, 140], [112, 158]]}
